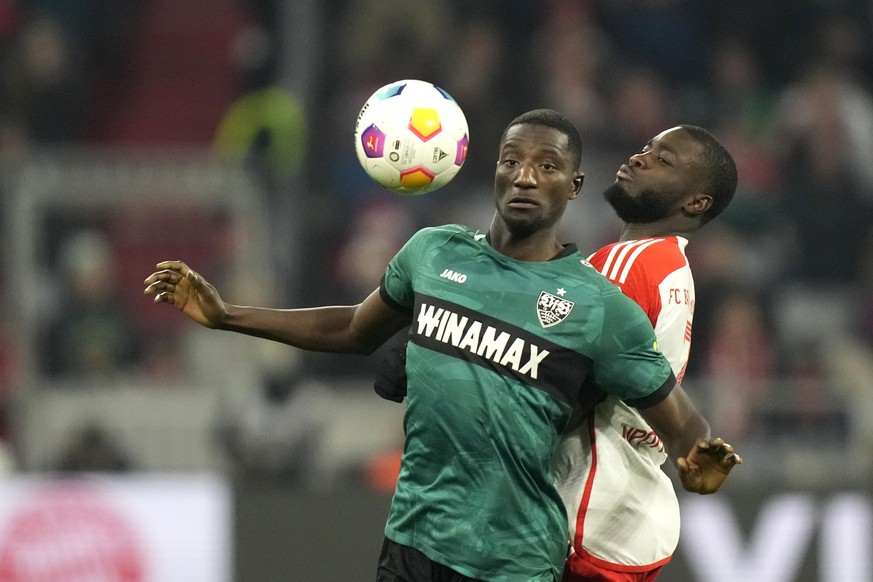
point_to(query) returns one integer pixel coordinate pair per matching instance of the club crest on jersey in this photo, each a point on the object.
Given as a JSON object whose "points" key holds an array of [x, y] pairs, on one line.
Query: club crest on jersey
{"points": [[552, 310]]}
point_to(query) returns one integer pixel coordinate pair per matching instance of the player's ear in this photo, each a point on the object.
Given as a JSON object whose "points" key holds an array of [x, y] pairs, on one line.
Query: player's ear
{"points": [[698, 204], [577, 184]]}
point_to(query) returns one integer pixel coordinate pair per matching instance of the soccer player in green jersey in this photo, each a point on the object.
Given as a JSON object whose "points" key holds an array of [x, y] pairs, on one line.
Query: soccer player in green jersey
{"points": [[513, 336]]}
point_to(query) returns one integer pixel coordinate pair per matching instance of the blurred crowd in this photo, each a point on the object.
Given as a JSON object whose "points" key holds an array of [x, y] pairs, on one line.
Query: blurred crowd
{"points": [[784, 331]]}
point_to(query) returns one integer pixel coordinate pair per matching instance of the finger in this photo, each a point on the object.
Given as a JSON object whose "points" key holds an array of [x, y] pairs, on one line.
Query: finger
{"points": [[725, 450], [178, 266], [154, 288], [165, 275], [160, 286], [164, 297], [729, 461]]}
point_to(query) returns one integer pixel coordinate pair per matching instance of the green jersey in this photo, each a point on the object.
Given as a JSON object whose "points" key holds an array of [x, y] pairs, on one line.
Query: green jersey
{"points": [[500, 353]]}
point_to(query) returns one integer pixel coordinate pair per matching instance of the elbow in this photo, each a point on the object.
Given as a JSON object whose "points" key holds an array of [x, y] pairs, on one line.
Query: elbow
{"points": [[361, 345]]}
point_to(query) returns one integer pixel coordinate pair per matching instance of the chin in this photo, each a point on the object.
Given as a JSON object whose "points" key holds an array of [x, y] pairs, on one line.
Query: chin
{"points": [[521, 228]]}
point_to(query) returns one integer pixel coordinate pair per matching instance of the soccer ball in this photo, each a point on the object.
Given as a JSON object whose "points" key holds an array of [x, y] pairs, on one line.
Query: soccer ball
{"points": [[411, 137]]}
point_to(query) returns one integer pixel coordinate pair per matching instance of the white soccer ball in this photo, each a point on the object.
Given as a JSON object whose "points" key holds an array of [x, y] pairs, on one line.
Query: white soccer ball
{"points": [[411, 137]]}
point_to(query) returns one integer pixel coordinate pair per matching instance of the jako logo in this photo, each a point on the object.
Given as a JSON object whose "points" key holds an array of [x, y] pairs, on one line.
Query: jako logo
{"points": [[453, 276]]}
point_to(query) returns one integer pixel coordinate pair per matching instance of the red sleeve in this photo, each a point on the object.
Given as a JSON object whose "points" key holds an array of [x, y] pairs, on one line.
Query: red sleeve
{"points": [[638, 268]]}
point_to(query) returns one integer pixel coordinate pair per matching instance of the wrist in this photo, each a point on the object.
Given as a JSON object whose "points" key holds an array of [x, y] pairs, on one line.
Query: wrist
{"points": [[229, 317]]}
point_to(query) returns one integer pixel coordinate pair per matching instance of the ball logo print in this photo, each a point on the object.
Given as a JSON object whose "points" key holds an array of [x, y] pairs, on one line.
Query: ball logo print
{"points": [[70, 533], [411, 137]]}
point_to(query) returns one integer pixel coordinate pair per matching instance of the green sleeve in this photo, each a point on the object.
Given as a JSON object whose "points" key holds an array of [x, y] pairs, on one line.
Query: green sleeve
{"points": [[396, 287], [628, 363]]}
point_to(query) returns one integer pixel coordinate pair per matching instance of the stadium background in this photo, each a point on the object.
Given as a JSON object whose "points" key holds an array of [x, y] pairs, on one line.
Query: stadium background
{"points": [[220, 132]]}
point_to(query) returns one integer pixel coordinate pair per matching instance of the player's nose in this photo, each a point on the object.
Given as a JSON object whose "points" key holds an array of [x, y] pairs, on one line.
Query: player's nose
{"points": [[638, 160], [526, 175]]}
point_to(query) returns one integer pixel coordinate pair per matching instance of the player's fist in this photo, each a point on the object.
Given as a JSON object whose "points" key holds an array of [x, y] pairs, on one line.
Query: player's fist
{"points": [[707, 465]]}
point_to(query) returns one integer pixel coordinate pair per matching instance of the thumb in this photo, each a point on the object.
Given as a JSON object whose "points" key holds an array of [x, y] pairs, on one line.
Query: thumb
{"points": [[198, 283], [195, 279], [202, 288]]}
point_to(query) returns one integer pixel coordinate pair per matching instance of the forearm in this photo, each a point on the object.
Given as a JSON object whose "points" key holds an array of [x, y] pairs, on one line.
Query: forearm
{"points": [[320, 329], [680, 444], [357, 329], [677, 421]]}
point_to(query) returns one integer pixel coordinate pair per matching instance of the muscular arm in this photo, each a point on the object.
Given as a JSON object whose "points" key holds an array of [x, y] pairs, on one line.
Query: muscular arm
{"points": [[707, 461], [357, 328], [677, 422]]}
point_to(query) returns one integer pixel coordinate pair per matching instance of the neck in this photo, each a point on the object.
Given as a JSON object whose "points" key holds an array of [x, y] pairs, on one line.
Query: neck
{"points": [[653, 229], [537, 247]]}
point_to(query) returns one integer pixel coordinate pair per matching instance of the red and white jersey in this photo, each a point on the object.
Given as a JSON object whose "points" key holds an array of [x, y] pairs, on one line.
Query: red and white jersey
{"points": [[623, 511], [655, 273]]}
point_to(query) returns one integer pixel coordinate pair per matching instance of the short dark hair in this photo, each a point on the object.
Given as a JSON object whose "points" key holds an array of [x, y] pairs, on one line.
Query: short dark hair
{"points": [[721, 170], [553, 119]]}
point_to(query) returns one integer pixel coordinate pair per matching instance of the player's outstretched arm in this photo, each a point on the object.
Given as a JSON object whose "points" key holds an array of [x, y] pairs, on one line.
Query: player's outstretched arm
{"points": [[350, 329]]}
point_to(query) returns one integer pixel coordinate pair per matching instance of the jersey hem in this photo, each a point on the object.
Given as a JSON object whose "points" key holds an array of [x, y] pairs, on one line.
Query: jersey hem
{"points": [[655, 397], [607, 565], [383, 293], [468, 571]]}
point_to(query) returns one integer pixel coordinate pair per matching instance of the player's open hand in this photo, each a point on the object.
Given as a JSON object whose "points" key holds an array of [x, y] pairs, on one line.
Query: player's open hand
{"points": [[707, 465], [176, 283]]}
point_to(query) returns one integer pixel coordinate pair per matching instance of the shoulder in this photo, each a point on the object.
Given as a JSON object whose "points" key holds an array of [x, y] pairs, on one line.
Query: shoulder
{"points": [[442, 238], [444, 232], [433, 240], [655, 256]]}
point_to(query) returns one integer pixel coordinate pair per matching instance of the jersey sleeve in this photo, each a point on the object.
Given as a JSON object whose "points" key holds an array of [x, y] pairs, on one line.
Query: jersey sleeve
{"points": [[656, 275], [628, 363], [638, 284], [396, 287]]}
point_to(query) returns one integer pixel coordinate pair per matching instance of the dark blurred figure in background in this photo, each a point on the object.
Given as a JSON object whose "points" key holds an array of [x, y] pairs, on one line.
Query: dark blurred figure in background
{"points": [[42, 83], [271, 436], [93, 450], [89, 335]]}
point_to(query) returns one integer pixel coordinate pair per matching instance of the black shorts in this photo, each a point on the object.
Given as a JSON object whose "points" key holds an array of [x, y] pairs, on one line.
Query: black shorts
{"points": [[398, 563]]}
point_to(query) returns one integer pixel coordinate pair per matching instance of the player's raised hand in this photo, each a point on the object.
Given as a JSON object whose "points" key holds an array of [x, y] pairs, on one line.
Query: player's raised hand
{"points": [[176, 283], [707, 465]]}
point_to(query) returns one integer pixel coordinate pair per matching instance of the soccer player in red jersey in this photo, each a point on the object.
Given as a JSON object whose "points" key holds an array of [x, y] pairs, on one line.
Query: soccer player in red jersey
{"points": [[622, 508]]}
